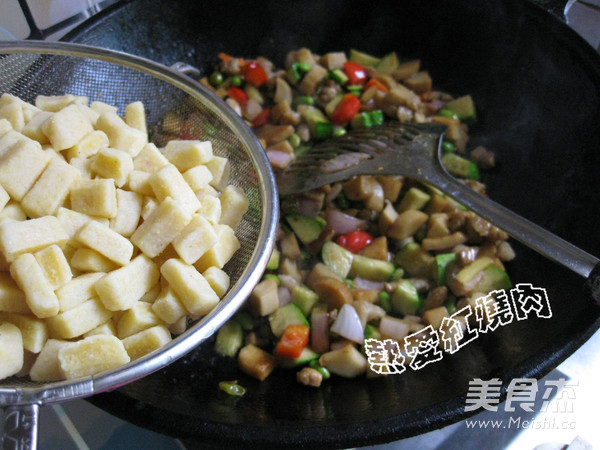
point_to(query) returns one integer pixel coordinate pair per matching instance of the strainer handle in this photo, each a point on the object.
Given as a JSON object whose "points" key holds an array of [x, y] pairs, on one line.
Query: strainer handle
{"points": [[20, 430]]}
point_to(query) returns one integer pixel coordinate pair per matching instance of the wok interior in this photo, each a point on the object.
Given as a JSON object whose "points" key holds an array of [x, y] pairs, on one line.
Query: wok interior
{"points": [[536, 86], [167, 106]]}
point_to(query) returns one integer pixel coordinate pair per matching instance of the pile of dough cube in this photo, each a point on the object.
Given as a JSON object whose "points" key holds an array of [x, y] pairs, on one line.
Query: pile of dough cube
{"points": [[108, 244]]}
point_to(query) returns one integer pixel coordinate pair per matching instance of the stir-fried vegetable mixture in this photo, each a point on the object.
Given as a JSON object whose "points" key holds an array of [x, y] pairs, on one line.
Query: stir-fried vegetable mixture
{"points": [[375, 256]]}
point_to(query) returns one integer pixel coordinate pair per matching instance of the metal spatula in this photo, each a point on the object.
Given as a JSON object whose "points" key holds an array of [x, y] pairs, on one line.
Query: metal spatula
{"points": [[414, 150]]}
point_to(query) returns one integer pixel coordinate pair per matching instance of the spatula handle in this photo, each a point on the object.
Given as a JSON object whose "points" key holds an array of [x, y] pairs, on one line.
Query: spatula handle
{"points": [[523, 230]]}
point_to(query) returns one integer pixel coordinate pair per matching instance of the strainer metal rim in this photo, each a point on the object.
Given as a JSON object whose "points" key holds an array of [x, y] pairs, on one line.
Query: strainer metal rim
{"points": [[237, 294]]}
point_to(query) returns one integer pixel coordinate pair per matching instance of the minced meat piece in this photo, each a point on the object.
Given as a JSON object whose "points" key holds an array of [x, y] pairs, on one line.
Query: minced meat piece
{"points": [[309, 377]]}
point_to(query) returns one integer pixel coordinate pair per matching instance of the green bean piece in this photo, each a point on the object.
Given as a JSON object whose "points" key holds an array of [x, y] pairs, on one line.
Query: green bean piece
{"points": [[216, 78], [274, 276], [236, 80], [448, 146], [232, 388], [304, 100], [294, 140], [304, 67], [339, 131], [445, 112], [314, 364]]}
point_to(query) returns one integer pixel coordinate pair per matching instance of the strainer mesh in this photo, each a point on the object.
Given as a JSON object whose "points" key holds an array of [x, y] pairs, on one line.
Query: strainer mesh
{"points": [[172, 113]]}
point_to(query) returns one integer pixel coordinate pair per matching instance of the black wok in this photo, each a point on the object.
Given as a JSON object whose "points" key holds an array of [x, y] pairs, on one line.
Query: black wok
{"points": [[537, 88]]}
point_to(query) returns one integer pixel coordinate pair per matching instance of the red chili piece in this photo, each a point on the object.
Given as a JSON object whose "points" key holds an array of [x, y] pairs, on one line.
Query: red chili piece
{"points": [[356, 72], [346, 109], [262, 118], [238, 95], [355, 241], [293, 340], [255, 74]]}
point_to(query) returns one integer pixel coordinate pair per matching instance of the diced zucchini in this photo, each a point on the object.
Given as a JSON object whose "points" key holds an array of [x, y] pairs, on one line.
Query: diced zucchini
{"points": [[441, 263], [460, 167], [307, 229], [414, 198], [245, 320], [339, 76], [230, 338], [367, 119], [467, 273], [463, 107], [313, 116], [332, 104], [493, 279], [372, 332], [304, 298], [371, 268], [405, 299], [289, 314], [361, 120], [305, 357], [415, 261], [363, 58], [337, 258], [406, 69], [273, 263], [450, 303], [388, 64]]}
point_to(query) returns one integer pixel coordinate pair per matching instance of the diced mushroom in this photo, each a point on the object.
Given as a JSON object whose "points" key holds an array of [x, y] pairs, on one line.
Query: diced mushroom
{"points": [[435, 316], [264, 299], [333, 292], [419, 82], [312, 79], [272, 134], [407, 224], [256, 362], [283, 92], [346, 362], [483, 157], [444, 242], [333, 60]]}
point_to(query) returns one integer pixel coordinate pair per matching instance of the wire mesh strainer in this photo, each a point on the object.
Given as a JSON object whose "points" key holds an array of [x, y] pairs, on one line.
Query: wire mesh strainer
{"points": [[175, 106]]}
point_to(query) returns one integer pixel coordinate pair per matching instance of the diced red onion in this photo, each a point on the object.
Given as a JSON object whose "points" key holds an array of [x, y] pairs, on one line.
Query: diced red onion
{"points": [[309, 207], [343, 223], [343, 161], [393, 328], [362, 283], [287, 281], [347, 324], [279, 159], [252, 109], [285, 296]]}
